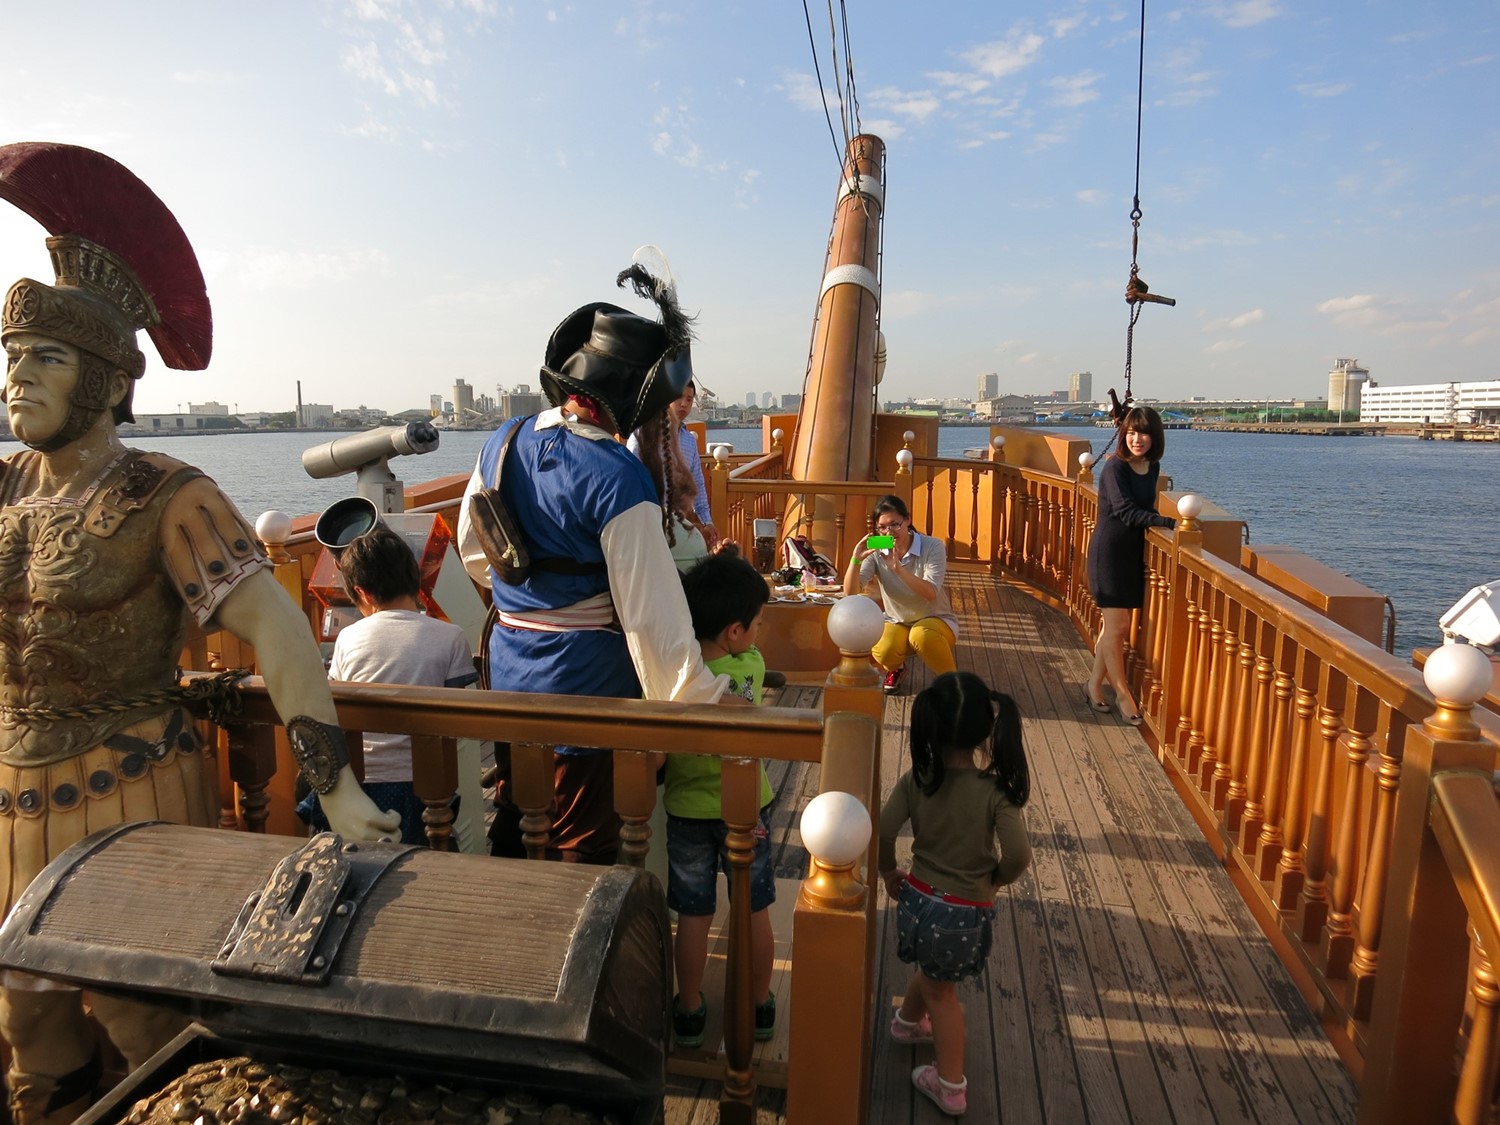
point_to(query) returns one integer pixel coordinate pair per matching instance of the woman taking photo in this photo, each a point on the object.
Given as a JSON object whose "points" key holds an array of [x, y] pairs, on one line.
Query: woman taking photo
{"points": [[911, 575], [1117, 550]]}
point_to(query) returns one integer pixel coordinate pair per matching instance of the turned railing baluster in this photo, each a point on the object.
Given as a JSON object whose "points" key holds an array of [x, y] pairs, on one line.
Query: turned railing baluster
{"points": [[434, 779], [1473, 1104], [533, 778], [1242, 713], [1204, 680], [740, 788], [1313, 907], [1278, 782], [1289, 871], [1258, 749], [1160, 588], [635, 799], [1338, 936], [251, 753], [1364, 966], [1221, 641], [1192, 590], [974, 478]]}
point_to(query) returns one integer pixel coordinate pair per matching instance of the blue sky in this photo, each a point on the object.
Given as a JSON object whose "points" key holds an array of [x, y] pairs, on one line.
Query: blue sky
{"points": [[386, 196]]}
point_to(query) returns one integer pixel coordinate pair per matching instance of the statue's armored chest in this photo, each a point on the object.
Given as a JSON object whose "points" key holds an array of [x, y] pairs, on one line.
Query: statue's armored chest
{"points": [[85, 553]]}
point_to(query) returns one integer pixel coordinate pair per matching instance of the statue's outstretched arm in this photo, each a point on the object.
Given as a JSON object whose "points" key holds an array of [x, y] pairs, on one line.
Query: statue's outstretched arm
{"points": [[261, 614]]}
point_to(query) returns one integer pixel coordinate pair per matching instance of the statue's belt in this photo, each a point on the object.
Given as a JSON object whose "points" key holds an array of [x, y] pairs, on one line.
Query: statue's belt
{"points": [[217, 693], [30, 791]]}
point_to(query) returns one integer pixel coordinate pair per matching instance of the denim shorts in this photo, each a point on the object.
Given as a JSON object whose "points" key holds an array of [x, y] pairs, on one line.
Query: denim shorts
{"points": [[697, 851], [945, 940]]}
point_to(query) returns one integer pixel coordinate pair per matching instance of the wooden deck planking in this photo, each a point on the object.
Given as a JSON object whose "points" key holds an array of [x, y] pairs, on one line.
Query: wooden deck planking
{"points": [[1128, 981], [1143, 1029], [1120, 1083]]}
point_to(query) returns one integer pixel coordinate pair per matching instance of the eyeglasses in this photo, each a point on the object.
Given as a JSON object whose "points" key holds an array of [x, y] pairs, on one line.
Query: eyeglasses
{"points": [[889, 528]]}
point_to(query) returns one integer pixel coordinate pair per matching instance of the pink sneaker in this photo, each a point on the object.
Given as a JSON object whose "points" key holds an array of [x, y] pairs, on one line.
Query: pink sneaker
{"points": [[951, 1099], [904, 1031]]}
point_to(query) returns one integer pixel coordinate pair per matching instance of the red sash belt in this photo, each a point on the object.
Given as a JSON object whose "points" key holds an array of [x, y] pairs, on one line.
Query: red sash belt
{"points": [[923, 888]]}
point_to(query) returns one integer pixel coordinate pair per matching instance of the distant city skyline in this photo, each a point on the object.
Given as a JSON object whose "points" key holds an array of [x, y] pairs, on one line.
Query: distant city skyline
{"points": [[390, 194]]}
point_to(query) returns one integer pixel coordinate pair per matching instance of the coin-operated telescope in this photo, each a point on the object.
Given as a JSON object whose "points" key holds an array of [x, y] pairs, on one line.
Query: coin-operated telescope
{"points": [[366, 455], [447, 591]]}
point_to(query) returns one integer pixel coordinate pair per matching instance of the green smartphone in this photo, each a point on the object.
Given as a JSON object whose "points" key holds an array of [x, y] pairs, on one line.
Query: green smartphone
{"points": [[880, 542]]}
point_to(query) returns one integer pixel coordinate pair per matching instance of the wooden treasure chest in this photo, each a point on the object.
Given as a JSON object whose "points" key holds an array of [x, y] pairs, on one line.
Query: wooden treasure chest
{"points": [[404, 984]]}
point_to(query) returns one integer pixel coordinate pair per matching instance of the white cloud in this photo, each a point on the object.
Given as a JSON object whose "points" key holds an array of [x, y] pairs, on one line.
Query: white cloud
{"points": [[1243, 320], [267, 268], [1075, 89], [1219, 346], [963, 83], [203, 77], [802, 91], [1387, 316], [1007, 56], [918, 106], [1245, 13], [1062, 28], [1324, 89], [1091, 196]]}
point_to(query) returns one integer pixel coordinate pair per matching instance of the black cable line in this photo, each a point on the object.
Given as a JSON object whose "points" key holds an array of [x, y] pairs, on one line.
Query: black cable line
{"points": [[813, 45]]}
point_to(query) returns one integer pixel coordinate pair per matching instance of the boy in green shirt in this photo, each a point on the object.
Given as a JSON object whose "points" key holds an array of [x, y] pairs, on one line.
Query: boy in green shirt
{"points": [[727, 600]]}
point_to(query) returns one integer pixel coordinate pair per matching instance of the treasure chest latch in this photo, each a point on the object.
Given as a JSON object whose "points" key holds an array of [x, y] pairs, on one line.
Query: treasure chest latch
{"points": [[291, 930]]}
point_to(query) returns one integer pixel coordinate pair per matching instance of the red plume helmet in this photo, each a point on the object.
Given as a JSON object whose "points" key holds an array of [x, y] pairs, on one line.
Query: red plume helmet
{"points": [[147, 274]]}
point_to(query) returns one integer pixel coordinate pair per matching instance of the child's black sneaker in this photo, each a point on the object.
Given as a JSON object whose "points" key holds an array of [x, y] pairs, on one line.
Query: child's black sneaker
{"points": [[687, 1027], [765, 1018]]}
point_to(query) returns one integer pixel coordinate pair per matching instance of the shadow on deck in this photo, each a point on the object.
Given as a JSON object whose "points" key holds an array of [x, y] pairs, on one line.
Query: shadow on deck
{"points": [[1129, 982]]}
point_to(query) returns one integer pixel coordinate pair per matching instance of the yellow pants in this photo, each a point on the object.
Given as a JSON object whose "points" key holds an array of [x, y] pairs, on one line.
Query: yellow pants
{"points": [[932, 637]]}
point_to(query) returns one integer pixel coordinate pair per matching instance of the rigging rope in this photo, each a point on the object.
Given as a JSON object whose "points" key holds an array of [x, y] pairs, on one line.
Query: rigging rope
{"points": [[1137, 293], [818, 73]]}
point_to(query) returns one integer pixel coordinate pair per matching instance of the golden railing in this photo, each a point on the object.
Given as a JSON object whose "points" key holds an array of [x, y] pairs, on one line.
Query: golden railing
{"points": [[1293, 743], [844, 738]]}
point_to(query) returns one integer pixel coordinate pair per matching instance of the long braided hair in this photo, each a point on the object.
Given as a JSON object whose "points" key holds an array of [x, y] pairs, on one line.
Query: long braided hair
{"points": [[959, 712], [657, 444]]}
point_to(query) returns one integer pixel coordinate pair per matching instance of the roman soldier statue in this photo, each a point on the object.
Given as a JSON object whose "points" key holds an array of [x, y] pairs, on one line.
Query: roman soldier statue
{"points": [[104, 552]]}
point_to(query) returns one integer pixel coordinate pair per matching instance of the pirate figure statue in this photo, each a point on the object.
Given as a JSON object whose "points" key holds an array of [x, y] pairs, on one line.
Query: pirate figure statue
{"points": [[104, 551], [600, 611]]}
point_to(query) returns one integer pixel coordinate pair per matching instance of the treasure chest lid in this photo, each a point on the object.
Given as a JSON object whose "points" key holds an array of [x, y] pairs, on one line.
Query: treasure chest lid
{"points": [[542, 967]]}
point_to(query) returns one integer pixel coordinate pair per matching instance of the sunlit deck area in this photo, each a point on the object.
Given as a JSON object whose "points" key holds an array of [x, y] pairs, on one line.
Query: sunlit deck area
{"points": [[1129, 981]]}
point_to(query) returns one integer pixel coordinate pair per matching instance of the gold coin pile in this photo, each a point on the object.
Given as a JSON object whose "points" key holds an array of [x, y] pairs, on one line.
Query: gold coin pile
{"points": [[243, 1091]]}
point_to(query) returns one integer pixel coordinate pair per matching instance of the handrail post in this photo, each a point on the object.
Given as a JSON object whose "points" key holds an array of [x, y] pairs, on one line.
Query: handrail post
{"points": [[739, 793], [1409, 1075], [834, 947], [635, 800], [434, 779]]}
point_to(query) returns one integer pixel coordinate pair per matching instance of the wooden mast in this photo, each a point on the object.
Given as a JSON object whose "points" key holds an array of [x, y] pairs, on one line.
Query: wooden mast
{"points": [[835, 434]]}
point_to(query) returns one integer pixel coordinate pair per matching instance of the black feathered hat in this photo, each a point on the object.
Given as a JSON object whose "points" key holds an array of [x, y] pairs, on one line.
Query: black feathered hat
{"points": [[632, 367]]}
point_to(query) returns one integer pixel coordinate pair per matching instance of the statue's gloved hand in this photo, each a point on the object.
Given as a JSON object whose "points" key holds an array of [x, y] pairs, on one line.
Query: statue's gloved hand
{"points": [[353, 815]]}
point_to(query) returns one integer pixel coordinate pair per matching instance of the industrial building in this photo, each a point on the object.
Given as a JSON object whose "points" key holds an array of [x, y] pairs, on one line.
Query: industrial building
{"points": [[1432, 403]]}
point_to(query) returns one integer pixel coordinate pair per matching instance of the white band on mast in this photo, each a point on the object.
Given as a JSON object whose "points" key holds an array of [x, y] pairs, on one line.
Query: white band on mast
{"points": [[868, 186], [852, 275]]}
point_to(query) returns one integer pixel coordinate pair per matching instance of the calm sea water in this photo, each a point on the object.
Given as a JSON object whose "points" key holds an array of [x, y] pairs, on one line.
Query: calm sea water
{"points": [[1411, 519]]}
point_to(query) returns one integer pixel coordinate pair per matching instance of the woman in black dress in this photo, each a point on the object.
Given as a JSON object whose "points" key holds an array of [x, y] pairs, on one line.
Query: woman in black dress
{"points": [[1117, 550]]}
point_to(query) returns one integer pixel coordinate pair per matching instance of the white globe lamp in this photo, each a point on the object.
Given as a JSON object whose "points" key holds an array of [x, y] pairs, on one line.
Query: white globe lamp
{"points": [[904, 458], [836, 828], [1085, 460], [855, 624], [273, 528], [1189, 506], [1458, 676]]}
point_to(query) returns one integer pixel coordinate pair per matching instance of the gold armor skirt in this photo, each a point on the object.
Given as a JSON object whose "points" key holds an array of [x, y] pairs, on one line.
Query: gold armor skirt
{"points": [[153, 770]]}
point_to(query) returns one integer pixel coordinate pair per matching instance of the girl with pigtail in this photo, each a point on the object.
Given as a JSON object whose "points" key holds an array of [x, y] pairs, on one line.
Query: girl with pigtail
{"points": [[963, 797]]}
